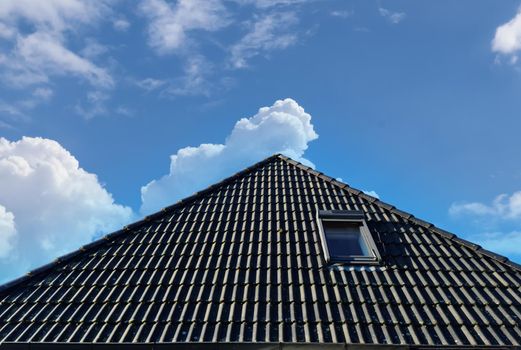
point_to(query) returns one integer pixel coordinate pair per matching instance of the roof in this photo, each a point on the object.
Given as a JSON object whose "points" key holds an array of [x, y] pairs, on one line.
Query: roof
{"points": [[241, 261]]}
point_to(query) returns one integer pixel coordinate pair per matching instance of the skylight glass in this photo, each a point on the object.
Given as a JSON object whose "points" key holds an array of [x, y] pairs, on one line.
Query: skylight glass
{"points": [[346, 237]]}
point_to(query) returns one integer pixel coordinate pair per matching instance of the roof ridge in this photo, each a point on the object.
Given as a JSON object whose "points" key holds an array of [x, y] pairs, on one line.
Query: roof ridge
{"points": [[403, 214], [110, 236]]}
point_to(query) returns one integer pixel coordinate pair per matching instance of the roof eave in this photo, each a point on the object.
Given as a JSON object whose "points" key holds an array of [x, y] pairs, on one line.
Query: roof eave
{"points": [[239, 345]]}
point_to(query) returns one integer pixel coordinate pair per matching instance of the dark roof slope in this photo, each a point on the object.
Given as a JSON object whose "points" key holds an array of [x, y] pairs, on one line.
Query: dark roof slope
{"points": [[242, 262]]}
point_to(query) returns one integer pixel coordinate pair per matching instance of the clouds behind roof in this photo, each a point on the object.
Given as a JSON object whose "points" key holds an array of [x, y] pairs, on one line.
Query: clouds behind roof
{"points": [[496, 224], [283, 127], [49, 205]]}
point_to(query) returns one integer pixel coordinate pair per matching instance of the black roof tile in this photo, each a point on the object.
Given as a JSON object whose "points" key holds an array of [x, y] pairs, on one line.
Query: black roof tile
{"points": [[242, 261]]}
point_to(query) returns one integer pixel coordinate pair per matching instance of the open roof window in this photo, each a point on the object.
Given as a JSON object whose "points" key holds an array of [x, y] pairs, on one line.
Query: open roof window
{"points": [[346, 238]]}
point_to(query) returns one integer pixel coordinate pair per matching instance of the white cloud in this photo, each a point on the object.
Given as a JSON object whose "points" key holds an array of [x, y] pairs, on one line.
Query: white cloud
{"points": [[197, 79], [43, 93], [17, 109], [507, 40], [124, 111], [283, 127], [93, 49], [502, 207], [39, 55], [121, 24], [37, 33], [272, 3], [268, 32], [169, 24], [393, 17], [194, 81], [57, 15], [5, 125], [98, 104], [341, 14], [7, 232], [371, 193], [150, 84], [95, 105], [497, 223], [6, 32], [11, 110], [473, 208], [39, 95], [48, 204]]}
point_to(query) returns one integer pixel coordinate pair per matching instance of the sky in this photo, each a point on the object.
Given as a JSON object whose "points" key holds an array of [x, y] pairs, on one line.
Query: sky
{"points": [[111, 110]]}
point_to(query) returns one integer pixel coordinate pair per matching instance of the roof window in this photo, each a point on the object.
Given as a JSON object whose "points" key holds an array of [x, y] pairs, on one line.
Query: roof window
{"points": [[346, 238]]}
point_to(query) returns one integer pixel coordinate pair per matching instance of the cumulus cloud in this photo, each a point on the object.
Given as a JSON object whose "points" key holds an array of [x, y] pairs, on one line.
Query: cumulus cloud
{"points": [[7, 232], [507, 40], [269, 32], [393, 17], [169, 24], [283, 127], [49, 205]]}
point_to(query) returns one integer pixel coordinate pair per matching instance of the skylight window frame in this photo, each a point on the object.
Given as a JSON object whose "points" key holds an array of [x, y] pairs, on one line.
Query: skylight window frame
{"points": [[350, 216]]}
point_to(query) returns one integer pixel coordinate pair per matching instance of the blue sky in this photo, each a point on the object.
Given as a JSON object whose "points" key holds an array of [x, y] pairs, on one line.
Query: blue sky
{"points": [[417, 101]]}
